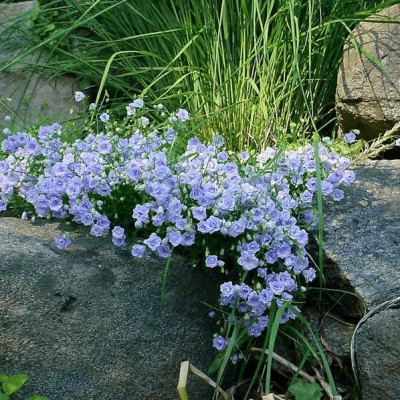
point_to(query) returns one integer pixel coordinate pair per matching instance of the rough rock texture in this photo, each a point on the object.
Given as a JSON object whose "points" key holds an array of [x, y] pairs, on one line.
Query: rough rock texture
{"points": [[337, 334], [367, 99], [362, 238], [34, 97], [362, 256], [87, 323], [377, 348]]}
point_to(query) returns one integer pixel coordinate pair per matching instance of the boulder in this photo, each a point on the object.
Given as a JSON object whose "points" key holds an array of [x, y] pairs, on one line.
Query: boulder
{"points": [[367, 98], [35, 97], [362, 238], [87, 322], [377, 350], [362, 257]]}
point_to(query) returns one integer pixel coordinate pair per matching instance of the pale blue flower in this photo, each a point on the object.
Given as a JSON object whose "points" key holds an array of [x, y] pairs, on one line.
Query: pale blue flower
{"points": [[247, 260], [182, 115], [3, 205], [104, 117], [348, 177], [153, 241], [130, 109], [98, 230], [79, 96], [337, 194], [254, 330], [138, 103], [349, 137], [138, 250], [212, 262], [62, 241], [220, 343], [164, 251]]}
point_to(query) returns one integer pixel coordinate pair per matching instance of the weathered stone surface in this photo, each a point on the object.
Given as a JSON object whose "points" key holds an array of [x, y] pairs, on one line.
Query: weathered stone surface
{"points": [[362, 238], [377, 349], [362, 256], [34, 96], [367, 99], [337, 334], [87, 323]]}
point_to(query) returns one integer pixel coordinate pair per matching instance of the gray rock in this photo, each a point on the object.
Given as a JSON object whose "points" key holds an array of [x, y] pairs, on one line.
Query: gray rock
{"points": [[377, 349], [362, 257], [87, 323], [362, 238], [367, 99], [35, 97], [337, 334]]}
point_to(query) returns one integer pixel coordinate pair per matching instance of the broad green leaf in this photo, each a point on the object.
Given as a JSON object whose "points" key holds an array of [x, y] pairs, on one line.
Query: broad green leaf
{"points": [[49, 28], [216, 363], [4, 396], [37, 398], [3, 378], [306, 391], [13, 383]]}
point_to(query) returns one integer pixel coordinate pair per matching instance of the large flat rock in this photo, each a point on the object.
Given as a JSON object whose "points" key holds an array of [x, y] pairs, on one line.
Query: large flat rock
{"points": [[377, 351], [362, 237], [87, 323]]}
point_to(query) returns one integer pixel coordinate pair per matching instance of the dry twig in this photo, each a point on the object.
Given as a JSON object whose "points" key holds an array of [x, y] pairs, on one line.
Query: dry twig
{"points": [[286, 363], [186, 367], [272, 396], [377, 146]]}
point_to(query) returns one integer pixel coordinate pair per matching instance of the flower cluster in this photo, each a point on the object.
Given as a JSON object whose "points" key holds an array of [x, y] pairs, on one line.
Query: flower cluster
{"points": [[242, 211]]}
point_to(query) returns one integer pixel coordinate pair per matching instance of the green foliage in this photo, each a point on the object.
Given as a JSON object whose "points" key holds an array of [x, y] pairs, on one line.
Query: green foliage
{"points": [[257, 72], [306, 391], [13, 383], [10, 384]]}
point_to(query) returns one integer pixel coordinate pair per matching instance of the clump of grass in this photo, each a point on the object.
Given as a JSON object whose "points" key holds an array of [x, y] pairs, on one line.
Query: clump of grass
{"points": [[258, 72]]}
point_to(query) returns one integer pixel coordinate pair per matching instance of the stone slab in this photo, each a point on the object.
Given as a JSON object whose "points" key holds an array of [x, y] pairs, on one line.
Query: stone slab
{"points": [[377, 350], [87, 323], [362, 237]]}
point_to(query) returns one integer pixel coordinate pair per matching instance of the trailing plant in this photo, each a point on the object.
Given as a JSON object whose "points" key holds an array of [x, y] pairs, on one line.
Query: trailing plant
{"points": [[154, 190]]}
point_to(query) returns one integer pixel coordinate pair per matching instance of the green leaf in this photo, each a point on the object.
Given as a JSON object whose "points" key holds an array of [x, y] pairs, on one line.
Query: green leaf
{"points": [[49, 28], [216, 363], [306, 391], [3, 378], [4, 396], [13, 383], [37, 398]]}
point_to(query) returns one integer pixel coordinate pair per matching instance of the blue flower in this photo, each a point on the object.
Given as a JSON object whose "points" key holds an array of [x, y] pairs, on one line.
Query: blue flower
{"points": [[153, 242], [104, 117], [349, 137], [220, 343], [138, 250], [79, 96], [62, 241], [3, 205], [164, 251], [212, 262], [248, 260], [182, 115]]}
